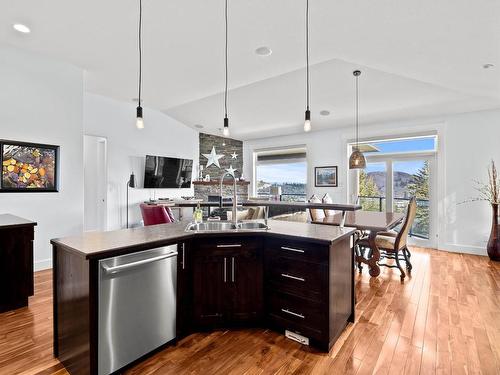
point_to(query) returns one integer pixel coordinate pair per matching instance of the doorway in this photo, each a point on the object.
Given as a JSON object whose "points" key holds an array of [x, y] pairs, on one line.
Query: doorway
{"points": [[95, 183], [397, 170]]}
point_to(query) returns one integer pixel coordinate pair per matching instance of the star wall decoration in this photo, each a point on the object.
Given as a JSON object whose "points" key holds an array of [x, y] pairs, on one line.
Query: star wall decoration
{"points": [[234, 155], [231, 170], [213, 158]]}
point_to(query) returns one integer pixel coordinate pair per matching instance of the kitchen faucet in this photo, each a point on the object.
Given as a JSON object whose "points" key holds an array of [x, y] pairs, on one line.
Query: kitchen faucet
{"points": [[235, 196]]}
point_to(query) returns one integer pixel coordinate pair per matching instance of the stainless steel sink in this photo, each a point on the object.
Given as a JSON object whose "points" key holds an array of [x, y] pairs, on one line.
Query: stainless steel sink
{"points": [[252, 225], [211, 226], [225, 226]]}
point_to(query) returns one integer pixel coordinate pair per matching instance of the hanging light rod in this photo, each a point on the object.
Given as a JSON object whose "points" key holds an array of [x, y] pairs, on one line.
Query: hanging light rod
{"points": [[307, 120], [139, 123], [225, 130], [357, 159]]}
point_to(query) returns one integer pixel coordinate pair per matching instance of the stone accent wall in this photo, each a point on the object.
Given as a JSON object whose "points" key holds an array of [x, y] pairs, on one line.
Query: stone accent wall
{"points": [[207, 141], [203, 191], [227, 147]]}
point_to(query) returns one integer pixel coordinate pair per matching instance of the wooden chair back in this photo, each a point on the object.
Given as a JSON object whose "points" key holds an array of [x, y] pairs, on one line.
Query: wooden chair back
{"points": [[327, 199], [316, 214], [411, 212]]}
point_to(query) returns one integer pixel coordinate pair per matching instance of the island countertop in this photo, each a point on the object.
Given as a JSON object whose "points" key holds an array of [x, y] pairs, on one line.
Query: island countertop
{"points": [[254, 202], [118, 242]]}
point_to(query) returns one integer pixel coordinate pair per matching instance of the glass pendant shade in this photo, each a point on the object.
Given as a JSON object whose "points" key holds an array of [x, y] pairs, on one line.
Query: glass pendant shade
{"points": [[357, 160], [307, 122], [225, 130], [139, 123]]}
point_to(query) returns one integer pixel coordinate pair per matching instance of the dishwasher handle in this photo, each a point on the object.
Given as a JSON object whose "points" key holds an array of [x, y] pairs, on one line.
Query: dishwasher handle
{"points": [[127, 266]]}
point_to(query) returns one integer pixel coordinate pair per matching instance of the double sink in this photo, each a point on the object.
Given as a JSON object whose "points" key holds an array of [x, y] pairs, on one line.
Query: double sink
{"points": [[225, 226]]}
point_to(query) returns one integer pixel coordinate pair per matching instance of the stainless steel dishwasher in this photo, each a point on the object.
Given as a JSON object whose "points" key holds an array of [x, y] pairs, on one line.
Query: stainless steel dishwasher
{"points": [[137, 305]]}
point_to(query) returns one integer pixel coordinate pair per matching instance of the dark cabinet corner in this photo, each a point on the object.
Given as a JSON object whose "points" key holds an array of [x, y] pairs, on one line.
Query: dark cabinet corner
{"points": [[16, 262]]}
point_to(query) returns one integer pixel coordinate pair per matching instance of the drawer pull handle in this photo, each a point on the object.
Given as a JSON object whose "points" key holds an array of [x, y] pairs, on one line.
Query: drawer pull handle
{"points": [[293, 277], [293, 313], [292, 249], [230, 245]]}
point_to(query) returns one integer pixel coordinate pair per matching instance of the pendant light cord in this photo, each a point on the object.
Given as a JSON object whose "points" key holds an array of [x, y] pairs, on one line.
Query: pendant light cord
{"points": [[357, 113], [307, 53], [225, 56], [140, 51]]}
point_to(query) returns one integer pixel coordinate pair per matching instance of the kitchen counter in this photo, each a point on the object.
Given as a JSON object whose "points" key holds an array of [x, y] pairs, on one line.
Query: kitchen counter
{"points": [[253, 203], [118, 242], [147, 287]]}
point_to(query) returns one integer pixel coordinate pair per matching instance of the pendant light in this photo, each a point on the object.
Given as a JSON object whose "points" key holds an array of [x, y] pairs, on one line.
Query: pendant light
{"points": [[139, 120], [225, 130], [357, 159], [307, 122]]}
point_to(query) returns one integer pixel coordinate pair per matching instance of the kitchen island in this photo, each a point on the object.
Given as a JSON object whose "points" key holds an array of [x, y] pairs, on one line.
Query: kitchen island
{"points": [[293, 277]]}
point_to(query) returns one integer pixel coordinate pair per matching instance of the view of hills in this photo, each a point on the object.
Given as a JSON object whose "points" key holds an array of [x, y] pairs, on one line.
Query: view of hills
{"points": [[401, 180]]}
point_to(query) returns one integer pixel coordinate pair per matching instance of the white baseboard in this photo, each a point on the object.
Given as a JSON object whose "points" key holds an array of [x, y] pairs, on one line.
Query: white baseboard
{"points": [[466, 249], [43, 264]]}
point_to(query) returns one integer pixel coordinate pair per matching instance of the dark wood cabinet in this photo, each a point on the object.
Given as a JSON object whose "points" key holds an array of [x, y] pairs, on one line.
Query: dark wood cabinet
{"points": [[16, 261], [184, 288], [309, 288], [227, 282], [209, 285], [246, 286]]}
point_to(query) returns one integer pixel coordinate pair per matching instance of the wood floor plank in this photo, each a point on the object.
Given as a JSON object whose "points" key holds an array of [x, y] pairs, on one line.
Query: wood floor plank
{"points": [[444, 319]]}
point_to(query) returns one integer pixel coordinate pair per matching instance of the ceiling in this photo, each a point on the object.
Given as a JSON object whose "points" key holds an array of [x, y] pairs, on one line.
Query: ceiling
{"points": [[418, 58]]}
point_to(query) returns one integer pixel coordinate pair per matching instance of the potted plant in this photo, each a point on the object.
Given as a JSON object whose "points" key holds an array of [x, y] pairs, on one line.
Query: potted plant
{"points": [[490, 192]]}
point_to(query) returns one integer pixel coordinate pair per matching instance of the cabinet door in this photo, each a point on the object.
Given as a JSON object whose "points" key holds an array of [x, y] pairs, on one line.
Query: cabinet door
{"points": [[246, 281], [209, 289], [184, 289]]}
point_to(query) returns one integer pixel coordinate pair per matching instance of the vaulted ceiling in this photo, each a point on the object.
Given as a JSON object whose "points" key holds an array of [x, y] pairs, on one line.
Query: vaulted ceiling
{"points": [[419, 58]]}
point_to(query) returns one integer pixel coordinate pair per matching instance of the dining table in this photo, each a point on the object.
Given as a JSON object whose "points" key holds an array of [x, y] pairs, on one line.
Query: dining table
{"points": [[373, 222]]}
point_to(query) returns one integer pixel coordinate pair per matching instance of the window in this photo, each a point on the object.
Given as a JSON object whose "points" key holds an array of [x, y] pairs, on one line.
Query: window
{"points": [[281, 173], [396, 170]]}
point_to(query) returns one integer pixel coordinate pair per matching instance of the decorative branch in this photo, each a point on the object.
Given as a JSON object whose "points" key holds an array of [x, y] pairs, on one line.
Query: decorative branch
{"points": [[490, 191]]}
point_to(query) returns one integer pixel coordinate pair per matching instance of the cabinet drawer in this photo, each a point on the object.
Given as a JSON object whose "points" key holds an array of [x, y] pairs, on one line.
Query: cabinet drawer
{"points": [[303, 279], [296, 314], [298, 250], [229, 243]]}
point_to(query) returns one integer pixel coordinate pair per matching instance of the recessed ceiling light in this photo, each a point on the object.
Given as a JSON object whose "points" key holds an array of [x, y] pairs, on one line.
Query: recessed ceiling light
{"points": [[198, 126], [488, 66], [263, 51], [324, 112], [21, 28]]}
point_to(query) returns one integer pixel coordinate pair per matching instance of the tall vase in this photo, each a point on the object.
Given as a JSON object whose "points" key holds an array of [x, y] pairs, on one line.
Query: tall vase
{"points": [[494, 242]]}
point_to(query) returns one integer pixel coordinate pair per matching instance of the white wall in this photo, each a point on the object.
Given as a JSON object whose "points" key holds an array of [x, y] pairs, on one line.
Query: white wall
{"points": [[127, 148], [467, 143], [42, 102]]}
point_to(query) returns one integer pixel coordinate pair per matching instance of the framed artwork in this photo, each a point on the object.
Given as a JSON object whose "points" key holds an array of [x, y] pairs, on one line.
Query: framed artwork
{"points": [[325, 176], [28, 167]]}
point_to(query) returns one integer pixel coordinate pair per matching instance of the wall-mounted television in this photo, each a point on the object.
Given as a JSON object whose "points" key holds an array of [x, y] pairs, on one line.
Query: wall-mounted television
{"points": [[162, 172]]}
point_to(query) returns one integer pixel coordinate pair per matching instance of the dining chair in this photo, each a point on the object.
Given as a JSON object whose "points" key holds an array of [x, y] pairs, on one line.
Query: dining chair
{"points": [[327, 199], [315, 213], [393, 245], [155, 214]]}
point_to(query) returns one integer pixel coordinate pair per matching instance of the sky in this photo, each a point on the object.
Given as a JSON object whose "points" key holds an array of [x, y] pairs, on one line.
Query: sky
{"points": [[406, 145], [280, 173]]}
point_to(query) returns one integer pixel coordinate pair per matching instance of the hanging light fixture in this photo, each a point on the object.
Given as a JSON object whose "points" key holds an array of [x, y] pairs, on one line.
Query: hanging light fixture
{"points": [[225, 130], [139, 123], [357, 159], [307, 122]]}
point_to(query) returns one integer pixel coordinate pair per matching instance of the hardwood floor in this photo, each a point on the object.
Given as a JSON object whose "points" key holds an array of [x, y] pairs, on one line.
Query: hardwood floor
{"points": [[444, 319]]}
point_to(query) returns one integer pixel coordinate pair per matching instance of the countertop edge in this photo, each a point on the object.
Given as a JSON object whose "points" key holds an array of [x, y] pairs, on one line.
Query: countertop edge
{"points": [[121, 250]]}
